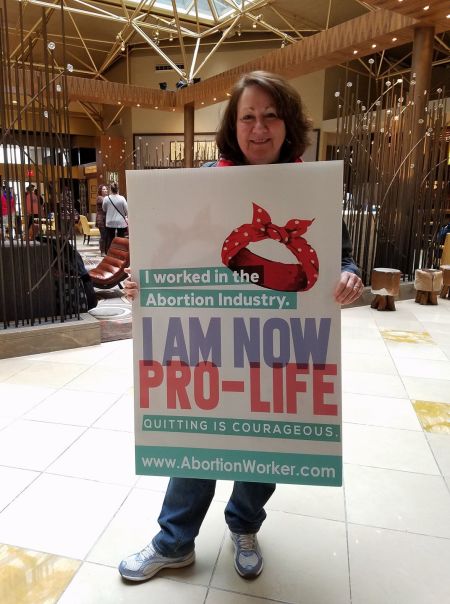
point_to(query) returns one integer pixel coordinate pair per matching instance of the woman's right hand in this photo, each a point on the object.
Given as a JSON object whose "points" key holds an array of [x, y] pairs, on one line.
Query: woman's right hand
{"points": [[131, 288]]}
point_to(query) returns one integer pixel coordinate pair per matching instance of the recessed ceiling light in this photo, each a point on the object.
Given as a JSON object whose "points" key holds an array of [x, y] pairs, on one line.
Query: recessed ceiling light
{"points": [[394, 39], [138, 105], [374, 45], [355, 52], [156, 107], [214, 99], [426, 7], [119, 102]]}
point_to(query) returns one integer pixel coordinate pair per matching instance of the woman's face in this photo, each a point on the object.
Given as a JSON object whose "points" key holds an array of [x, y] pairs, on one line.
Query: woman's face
{"points": [[104, 191], [260, 132]]}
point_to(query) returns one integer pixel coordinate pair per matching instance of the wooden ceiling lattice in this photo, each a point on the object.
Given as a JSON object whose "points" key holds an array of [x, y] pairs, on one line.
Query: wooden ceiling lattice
{"points": [[331, 47], [136, 25]]}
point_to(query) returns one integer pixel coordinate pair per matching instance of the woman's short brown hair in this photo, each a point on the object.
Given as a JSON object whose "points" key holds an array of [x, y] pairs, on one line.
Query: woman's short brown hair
{"points": [[100, 187], [114, 188], [289, 107]]}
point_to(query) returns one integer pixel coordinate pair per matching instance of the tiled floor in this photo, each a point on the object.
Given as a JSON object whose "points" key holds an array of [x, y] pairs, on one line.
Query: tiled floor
{"points": [[71, 506]]}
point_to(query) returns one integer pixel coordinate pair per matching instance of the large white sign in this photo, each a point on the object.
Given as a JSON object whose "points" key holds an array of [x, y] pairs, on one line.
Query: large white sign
{"points": [[236, 331]]}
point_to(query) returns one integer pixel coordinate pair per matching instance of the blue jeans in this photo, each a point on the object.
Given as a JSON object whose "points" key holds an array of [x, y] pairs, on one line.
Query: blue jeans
{"points": [[185, 505]]}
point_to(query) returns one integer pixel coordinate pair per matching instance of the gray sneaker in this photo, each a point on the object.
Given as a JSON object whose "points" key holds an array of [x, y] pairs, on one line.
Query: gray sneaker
{"points": [[145, 564], [248, 560]]}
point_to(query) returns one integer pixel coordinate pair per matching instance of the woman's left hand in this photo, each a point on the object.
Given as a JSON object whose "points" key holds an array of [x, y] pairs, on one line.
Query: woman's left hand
{"points": [[349, 288]]}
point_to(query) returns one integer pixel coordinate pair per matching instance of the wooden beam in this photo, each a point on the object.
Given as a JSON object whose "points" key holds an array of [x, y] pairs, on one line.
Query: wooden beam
{"points": [[435, 15], [113, 93]]}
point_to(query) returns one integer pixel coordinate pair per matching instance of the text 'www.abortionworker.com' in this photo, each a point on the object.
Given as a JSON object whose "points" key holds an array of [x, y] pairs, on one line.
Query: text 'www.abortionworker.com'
{"points": [[246, 465]]}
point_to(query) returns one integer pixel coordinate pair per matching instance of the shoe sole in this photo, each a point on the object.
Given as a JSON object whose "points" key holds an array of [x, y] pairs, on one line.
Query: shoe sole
{"points": [[162, 566]]}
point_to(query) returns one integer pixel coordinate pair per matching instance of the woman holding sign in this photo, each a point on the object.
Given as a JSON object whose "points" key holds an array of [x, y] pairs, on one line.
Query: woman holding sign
{"points": [[264, 123]]}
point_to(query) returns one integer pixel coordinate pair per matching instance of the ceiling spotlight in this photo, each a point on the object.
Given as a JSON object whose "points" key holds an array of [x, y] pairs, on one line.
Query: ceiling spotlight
{"points": [[239, 33], [374, 45], [355, 52], [171, 38], [394, 39], [426, 7], [163, 85], [122, 46], [257, 18]]}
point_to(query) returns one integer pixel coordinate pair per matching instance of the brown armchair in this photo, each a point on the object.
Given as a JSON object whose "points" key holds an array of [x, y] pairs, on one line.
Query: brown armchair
{"points": [[110, 272]]}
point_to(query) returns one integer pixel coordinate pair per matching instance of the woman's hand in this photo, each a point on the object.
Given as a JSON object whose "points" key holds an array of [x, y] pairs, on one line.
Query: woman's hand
{"points": [[131, 288], [349, 288]]}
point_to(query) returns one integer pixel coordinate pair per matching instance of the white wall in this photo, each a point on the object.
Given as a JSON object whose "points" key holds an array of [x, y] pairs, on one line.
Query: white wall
{"points": [[142, 69]]}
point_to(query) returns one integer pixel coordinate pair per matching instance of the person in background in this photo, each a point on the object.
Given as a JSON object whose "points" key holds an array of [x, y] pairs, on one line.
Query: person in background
{"points": [[41, 202], [100, 217], [264, 123], [31, 204], [8, 211], [116, 209]]}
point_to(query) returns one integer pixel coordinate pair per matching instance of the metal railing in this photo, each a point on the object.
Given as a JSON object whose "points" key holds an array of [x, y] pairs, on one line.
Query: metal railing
{"points": [[396, 183], [39, 279]]}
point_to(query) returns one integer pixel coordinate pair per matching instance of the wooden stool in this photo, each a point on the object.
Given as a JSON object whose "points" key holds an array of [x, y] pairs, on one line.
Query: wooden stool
{"points": [[428, 283], [385, 284], [445, 291]]}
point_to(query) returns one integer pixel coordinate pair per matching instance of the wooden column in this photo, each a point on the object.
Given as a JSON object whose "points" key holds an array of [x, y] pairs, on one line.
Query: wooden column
{"points": [[421, 72], [189, 135]]}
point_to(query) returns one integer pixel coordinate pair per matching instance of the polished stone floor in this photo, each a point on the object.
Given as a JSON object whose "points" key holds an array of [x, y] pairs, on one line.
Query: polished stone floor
{"points": [[71, 506]]}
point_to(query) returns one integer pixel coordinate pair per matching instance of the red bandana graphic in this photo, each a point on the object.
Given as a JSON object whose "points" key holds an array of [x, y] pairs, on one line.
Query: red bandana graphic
{"points": [[272, 274]]}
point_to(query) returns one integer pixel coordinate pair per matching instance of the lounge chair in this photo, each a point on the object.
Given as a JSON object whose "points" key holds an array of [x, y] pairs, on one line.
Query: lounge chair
{"points": [[110, 272]]}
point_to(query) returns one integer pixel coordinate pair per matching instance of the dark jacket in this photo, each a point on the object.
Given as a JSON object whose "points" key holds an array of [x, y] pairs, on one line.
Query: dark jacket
{"points": [[347, 262]]}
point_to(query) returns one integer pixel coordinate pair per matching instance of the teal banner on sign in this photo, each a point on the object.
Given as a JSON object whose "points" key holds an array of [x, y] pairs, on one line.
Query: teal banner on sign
{"points": [[239, 427], [240, 465]]}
